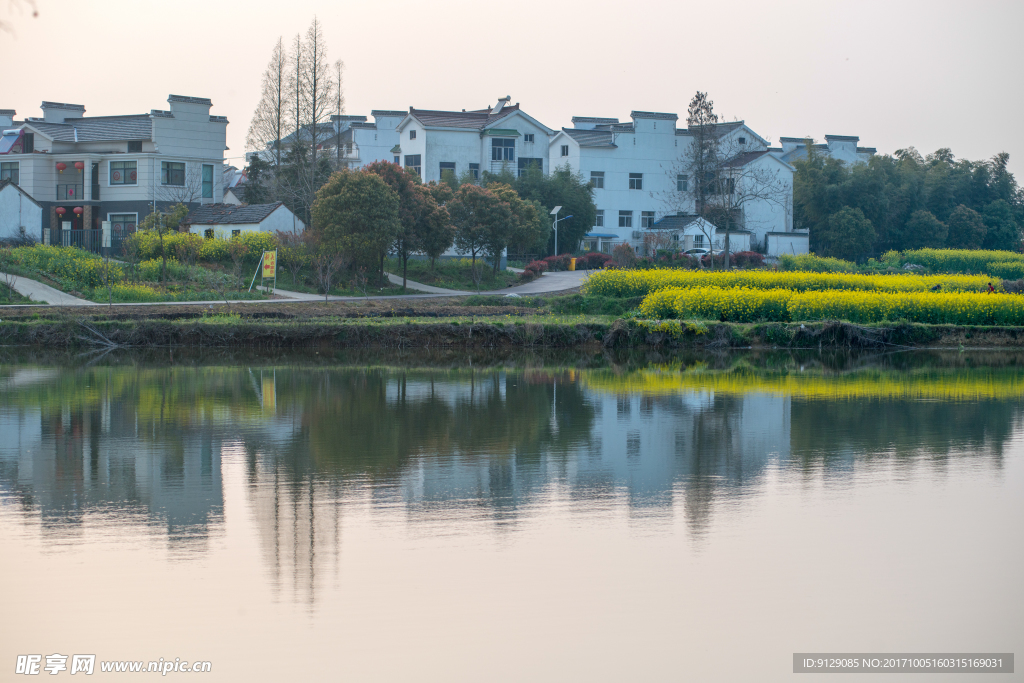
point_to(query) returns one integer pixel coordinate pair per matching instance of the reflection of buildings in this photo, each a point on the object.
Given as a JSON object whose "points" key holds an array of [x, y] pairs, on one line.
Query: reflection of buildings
{"points": [[69, 459]]}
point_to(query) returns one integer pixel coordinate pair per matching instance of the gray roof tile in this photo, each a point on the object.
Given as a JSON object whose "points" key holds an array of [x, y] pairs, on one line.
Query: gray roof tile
{"points": [[591, 138], [230, 214], [98, 128]]}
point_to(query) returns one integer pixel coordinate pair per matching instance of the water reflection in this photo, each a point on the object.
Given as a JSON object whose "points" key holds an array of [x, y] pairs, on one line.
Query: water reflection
{"points": [[143, 440]]}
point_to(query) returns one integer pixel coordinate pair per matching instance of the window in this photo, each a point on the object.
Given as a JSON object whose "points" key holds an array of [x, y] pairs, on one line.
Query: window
{"points": [[412, 135], [743, 141], [730, 185], [236, 233], [527, 137], [636, 181], [207, 181], [474, 170], [208, 233], [122, 223], [646, 219], [565, 150], [412, 163], [10, 170], [597, 179], [503, 149], [530, 162], [135, 146], [172, 173], [682, 183], [599, 221], [625, 219], [448, 166], [698, 241], [398, 160], [123, 173], [28, 143]]}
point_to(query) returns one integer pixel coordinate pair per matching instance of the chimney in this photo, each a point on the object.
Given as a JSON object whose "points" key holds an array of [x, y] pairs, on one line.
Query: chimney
{"points": [[7, 117], [57, 112], [183, 105]]}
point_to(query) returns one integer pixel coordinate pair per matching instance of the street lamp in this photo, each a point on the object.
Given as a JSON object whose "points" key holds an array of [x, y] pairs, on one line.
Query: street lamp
{"points": [[554, 212]]}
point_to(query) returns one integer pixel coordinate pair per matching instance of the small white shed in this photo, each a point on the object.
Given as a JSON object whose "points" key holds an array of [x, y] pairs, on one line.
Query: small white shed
{"points": [[224, 220], [20, 215]]}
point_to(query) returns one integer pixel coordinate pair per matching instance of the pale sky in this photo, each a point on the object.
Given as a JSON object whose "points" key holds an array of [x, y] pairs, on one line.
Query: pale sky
{"points": [[896, 73]]}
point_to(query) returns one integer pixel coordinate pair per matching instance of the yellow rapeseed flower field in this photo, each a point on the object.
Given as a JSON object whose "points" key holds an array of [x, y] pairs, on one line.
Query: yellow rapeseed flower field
{"points": [[628, 283], [741, 304]]}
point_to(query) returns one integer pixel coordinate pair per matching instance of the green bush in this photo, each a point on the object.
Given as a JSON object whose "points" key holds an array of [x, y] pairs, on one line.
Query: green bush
{"points": [[73, 267], [208, 250]]}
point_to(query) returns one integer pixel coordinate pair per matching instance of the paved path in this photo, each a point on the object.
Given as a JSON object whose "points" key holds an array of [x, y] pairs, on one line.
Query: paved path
{"points": [[300, 296], [397, 279], [546, 283], [37, 291]]}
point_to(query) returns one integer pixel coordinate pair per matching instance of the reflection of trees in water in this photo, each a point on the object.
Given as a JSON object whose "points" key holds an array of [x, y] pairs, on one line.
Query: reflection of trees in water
{"points": [[831, 432]]}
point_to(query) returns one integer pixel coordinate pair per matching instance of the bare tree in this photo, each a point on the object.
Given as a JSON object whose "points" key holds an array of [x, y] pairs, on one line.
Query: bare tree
{"points": [[327, 263], [339, 107], [317, 84], [186, 189], [295, 84], [271, 117]]}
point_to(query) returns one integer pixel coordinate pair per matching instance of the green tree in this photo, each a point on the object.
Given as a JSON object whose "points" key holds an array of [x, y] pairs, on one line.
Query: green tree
{"points": [[966, 229], [847, 234], [481, 221], [1001, 230], [529, 226], [356, 213], [257, 175], [413, 203], [924, 230]]}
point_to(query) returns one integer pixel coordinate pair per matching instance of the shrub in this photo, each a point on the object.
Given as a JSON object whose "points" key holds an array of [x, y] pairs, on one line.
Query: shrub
{"points": [[816, 264], [557, 263], [624, 256], [72, 267], [747, 259], [642, 282], [594, 260]]}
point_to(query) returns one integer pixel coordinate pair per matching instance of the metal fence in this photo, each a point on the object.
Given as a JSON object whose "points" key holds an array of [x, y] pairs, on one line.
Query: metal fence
{"points": [[89, 240]]}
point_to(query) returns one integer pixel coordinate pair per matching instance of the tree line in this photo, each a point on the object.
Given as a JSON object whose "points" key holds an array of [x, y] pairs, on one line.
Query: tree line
{"points": [[906, 201]]}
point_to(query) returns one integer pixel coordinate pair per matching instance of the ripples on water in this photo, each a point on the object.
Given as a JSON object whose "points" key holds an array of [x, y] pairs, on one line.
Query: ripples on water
{"points": [[592, 517]]}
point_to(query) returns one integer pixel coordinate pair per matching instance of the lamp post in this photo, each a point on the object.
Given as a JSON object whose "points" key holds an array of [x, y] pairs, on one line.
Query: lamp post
{"points": [[554, 212]]}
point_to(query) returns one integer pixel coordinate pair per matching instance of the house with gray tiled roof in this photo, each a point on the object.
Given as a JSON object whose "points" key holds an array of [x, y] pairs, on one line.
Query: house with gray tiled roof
{"points": [[222, 221], [84, 170], [503, 136], [641, 186]]}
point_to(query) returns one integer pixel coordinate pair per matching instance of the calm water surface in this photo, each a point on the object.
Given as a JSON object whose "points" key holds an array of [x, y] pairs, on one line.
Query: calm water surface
{"points": [[509, 518]]}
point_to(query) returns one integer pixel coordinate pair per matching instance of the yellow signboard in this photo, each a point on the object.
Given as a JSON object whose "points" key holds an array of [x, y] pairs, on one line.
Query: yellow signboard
{"points": [[270, 264]]}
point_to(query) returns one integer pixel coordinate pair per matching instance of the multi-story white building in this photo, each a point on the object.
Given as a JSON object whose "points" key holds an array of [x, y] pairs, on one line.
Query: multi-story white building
{"points": [[500, 137], [84, 170], [642, 186], [841, 147]]}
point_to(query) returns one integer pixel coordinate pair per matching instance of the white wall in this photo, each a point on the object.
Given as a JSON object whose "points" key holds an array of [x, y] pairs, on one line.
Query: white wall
{"points": [[787, 243], [17, 211]]}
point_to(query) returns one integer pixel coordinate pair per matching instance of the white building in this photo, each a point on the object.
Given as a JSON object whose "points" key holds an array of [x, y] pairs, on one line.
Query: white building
{"points": [[500, 137], [222, 221], [638, 173], [84, 170], [841, 147], [20, 215]]}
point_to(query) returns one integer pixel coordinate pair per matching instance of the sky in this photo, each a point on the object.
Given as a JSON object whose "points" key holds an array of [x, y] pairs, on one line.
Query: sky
{"points": [[897, 73]]}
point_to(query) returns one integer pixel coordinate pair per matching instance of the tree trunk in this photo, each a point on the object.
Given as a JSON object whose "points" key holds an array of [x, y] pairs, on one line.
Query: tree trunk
{"points": [[382, 269], [405, 269], [727, 248]]}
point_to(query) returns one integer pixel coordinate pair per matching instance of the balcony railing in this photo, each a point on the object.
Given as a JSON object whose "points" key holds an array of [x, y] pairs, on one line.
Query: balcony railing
{"points": [[70, 193]]}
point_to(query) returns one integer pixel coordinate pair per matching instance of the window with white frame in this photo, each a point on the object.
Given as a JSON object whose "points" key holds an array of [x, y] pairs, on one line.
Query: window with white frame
{"points": [[123, 223], [698, 241], [597, 179], [124, 173], [474, 170], [447, 167], [625, 219], [134, 146], [10, 170], [172, 173], [207, 181], [646, 219], [565, 150], [682, 182], [599, 221], [412, 134], [412, 163], [528, 137], [636, 181], [503, 149], [743, 141]]}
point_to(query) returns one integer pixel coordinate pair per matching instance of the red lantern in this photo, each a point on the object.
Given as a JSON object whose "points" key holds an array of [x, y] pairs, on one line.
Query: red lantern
{"points": [[60, 211], [61, 166], [79, 165], [78, 210]]}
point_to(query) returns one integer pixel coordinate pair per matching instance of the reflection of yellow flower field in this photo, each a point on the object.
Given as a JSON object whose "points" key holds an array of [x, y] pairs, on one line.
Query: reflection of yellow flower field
{"points": [[953, 385], [741, 304], [642, 282]]}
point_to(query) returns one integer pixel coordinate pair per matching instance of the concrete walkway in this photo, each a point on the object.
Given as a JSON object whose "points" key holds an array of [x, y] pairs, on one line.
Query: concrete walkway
{"points": [[299, 296], [419, 286], [45, 294], [546, 283]]}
